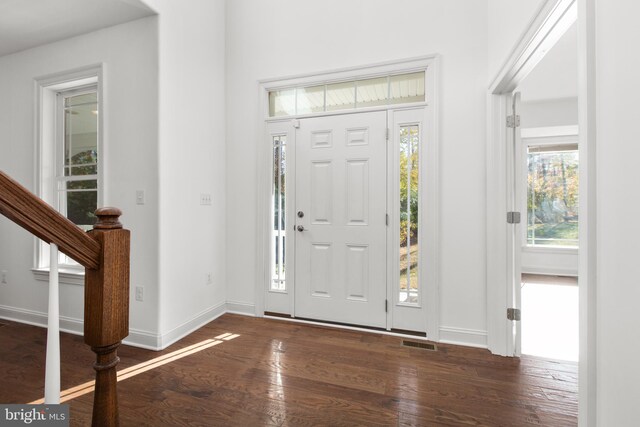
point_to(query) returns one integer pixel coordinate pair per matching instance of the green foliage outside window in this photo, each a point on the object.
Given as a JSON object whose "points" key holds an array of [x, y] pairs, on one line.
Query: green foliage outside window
{"points": [[552, 202]]}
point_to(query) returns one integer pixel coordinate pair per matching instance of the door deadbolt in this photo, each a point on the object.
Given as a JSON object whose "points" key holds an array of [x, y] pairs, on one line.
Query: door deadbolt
{"points": [[300, 214]]}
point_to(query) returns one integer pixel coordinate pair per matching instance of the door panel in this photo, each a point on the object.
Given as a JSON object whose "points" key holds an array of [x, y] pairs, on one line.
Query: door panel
{"points": [[341, 191], [515, 236], [281, 218], [413, 268]]}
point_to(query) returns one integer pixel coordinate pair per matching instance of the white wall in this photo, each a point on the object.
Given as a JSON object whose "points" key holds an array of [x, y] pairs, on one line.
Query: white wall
{"points": [[553, 261], [129, 53], [192, 162], [549, 113], [507, 21], [556, 75], [618, 175], [282, 38]]}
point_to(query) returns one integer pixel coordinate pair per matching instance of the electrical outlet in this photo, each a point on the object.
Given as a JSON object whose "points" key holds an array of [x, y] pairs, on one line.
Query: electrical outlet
{"points": [[3, 276], [209, 279], [205, 199], [140, 293]]}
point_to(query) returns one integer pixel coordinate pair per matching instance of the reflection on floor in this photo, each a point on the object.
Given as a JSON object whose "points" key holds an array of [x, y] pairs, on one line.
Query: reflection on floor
{"points": [[279, 373], [550, 316]]}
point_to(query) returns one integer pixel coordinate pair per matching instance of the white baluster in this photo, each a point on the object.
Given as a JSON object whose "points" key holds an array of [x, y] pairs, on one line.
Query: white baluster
{"points": [[52, 370]]}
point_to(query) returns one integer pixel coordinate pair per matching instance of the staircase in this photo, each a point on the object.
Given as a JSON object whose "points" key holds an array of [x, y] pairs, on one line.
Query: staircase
{"points": [[104, 252]]}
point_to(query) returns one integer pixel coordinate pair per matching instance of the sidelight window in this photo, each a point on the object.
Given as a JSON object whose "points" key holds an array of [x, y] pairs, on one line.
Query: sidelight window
{"points": [[409, 206], [278, 213]]}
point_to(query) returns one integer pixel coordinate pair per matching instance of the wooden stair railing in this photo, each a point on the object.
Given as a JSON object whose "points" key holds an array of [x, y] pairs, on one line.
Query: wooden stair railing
{"points": [[104, 252]]}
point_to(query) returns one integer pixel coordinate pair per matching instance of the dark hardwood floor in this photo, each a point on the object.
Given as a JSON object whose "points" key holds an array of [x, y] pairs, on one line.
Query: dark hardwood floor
{"points": [[282, 373]]}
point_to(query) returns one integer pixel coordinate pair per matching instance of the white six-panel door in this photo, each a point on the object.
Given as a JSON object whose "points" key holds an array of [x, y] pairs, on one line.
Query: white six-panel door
{"points": [[340, 205]]}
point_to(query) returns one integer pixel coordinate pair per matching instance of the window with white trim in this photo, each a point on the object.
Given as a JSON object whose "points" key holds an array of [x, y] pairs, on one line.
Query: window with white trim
{"points": [[278, 198], [77, 171], [552, 195], [409, 141], [69, 166], [348, 95]]}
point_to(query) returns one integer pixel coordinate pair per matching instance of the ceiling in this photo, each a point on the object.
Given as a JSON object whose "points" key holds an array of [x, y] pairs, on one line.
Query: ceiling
{"points": [[556, 76], [29, 23]]}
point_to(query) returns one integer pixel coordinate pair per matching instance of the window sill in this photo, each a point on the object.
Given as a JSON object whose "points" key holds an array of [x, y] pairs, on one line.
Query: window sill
{"points": [[565, 250], [66, 276]]}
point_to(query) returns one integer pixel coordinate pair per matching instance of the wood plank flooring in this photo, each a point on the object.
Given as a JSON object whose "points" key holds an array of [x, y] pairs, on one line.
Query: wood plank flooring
{"points": [[278, 373]]}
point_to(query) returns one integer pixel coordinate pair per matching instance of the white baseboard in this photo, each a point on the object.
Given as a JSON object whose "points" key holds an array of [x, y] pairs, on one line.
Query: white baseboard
{"points": [[142, 339], [36, 318], [460, 336], [198, 321], [244, 308], [152, 341], [136, 337]]}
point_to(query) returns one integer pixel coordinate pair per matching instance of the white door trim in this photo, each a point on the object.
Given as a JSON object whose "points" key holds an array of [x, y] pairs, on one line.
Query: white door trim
{"points": [[428, 63], [429, 220], [277, 301], [540, 35], [552, 20], [587, 258]]}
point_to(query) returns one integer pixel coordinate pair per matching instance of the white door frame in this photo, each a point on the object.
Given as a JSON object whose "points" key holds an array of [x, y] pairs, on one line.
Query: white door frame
{"points": [[282, 300], [514, 241], [545, 29], [429, 64]]}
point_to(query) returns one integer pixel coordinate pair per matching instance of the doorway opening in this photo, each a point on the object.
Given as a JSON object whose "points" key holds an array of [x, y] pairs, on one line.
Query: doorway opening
{"points": [[504, 279], [547, 193], [550, 307]]}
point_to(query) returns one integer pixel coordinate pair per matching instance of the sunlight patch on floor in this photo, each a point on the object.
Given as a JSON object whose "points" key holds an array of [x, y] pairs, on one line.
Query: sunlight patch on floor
{"points": [[88, 387], [550, 320]]}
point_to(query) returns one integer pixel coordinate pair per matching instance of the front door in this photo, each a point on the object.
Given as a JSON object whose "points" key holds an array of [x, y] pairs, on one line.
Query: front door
{"points": [[340, 223]]}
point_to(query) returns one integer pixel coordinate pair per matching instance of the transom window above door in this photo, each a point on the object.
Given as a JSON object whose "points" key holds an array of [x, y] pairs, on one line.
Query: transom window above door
{"points": [[348, 95]]}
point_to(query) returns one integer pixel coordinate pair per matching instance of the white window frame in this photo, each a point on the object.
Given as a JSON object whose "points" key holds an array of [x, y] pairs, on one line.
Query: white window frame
{"points": [[394, 204], [47, 163], [388, 101], [280, 301], [282, 234], [539, 137], [430, 65]]}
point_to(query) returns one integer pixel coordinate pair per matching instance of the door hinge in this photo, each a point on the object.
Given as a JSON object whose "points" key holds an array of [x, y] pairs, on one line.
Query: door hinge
{"points": [[514, 314], [513, 217], [386, 219], [513, 121], [387, 134], [295, 123], [386, 306]]}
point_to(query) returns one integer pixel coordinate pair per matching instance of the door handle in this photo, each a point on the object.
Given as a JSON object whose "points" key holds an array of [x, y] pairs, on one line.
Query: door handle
{"points": [[300, 228]]}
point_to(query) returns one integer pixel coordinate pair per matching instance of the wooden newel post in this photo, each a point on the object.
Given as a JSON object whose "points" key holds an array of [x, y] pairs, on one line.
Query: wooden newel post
{"points": [[106, 311]]}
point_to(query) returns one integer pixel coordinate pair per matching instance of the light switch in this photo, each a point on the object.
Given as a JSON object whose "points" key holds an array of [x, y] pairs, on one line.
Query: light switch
{"points": [[140, 197]]}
